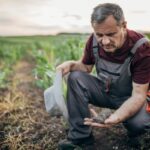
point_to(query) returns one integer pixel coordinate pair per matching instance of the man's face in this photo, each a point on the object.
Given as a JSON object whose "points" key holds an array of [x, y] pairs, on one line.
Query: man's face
{"points": [[109, 34]]}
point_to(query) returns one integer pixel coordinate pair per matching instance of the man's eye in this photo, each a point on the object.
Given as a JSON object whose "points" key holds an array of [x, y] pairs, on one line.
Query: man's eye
{"points": [[111, 34], [99, 35]]}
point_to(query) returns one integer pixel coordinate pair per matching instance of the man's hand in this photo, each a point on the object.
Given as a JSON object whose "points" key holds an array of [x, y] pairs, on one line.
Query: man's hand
{"points": [[113, 119], [71, 65], [64, 67]]}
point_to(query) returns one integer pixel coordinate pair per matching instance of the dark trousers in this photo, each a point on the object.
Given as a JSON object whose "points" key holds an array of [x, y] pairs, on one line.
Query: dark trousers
{"points": [[83, 89]]}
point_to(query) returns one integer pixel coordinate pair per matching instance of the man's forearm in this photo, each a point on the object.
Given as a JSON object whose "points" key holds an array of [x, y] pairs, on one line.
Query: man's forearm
{"points": [[134, 103], [78, 65], [129, 108]]}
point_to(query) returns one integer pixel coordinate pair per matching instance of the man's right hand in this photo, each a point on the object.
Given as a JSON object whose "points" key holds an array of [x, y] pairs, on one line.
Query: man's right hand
{"points": [[72, 65], [64, 67]]}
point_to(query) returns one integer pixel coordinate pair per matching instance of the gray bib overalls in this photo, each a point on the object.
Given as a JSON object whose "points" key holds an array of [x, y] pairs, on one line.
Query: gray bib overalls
{"points": [[109, 89]]}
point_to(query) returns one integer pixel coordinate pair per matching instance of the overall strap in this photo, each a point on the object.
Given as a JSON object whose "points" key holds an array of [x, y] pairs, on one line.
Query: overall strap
{"points": [[134, 49], [95, 49], [138, 44]]}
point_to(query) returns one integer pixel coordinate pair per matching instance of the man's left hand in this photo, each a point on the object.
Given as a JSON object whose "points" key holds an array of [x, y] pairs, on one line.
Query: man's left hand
{"points": [[112, 120]]}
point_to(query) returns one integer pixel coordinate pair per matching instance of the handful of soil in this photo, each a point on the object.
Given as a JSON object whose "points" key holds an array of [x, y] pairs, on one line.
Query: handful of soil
{"points": [[102, 116]]}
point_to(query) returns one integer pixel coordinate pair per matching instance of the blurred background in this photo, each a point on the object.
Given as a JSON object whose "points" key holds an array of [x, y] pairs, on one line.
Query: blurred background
{"points": [[30, 17]]}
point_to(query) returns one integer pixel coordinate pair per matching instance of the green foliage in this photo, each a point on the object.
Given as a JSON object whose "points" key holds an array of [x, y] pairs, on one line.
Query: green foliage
{"points": [[148, 35], [69, 49], [2, 79], [10, 53], [46, 51], [53, 52], [44, 75]]}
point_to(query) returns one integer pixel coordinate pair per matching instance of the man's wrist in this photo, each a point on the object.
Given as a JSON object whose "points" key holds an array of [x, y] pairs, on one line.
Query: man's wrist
{"points": [[118, 117]]}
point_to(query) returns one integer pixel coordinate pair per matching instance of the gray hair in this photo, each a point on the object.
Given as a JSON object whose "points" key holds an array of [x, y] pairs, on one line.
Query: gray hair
{"points": [[102, 11]]}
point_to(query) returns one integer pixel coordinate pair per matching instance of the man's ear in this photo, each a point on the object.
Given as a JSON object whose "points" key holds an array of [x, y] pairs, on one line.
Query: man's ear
{"points": [[124, 24]]}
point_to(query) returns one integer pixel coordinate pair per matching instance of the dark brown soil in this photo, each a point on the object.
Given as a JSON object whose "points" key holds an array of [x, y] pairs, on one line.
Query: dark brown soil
{"points": [[25, 124]]}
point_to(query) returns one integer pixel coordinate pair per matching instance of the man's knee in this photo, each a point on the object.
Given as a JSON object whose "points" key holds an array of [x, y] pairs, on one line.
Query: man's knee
{"points": [[75, 75], [135, 127]]}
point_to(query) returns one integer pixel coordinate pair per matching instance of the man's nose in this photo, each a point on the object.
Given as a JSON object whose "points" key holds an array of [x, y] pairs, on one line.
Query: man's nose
{"points": [[105, 40]]}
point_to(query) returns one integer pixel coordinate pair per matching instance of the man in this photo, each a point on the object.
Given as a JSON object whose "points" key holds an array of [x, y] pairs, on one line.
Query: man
{"points": [[122, 61]]}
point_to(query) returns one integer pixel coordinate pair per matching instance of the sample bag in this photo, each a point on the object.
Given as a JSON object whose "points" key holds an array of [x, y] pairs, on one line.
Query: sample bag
{"points": [[54, 100]]}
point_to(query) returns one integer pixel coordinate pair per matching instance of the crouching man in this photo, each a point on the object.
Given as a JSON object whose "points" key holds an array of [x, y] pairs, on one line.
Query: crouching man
{"points": [[122, 60]]}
